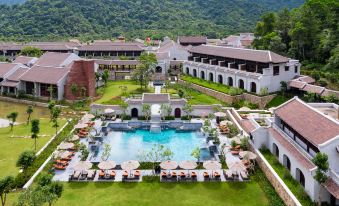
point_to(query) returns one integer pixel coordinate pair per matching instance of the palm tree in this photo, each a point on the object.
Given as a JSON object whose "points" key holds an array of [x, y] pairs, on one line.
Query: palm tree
{"points": [[55, 115], [51, 105], [29, 111], [12, 116], [35, 130], [146, 109]]}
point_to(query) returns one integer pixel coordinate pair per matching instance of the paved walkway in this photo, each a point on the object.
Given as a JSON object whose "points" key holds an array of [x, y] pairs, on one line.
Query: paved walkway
{"points": [[157, 89]]}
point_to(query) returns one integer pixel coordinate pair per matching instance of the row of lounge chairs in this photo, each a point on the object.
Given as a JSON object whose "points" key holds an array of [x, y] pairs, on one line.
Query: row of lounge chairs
{"points": [[104, 175], [191, 176], [61, 164], [229, 175], [83, 175]]}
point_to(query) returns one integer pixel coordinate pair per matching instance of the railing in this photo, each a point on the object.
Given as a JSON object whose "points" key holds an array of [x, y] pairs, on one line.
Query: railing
{"points": [[335, 176]]}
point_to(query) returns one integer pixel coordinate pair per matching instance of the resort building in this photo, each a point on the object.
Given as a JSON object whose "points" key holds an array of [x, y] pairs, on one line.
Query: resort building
{"points": [[119, 69], [243, 40], [295, 134], [52, 70], [248, 69], [191, 40]]}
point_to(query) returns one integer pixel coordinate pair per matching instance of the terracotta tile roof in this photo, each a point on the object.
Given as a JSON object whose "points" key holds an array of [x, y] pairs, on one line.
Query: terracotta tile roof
{"points": [[25, 60], [155, 98], [309, 123], [247, 125], [54, 59], [328, 92], [313, 89], [246, 42], [17, 74], [231, 38], [192, 39], [116, 62], [162, 55], [112, 47], [5, 68], [307, 79], [9, 83], [239, 53], [296, 84], [46, 75], [307, 163], [332, 187]]}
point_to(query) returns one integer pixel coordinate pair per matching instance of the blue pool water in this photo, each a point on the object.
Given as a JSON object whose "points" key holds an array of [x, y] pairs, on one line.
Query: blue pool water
{"points": [[129, 145]]}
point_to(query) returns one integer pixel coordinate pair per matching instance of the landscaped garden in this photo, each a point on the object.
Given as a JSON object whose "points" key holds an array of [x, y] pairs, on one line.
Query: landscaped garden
{"points": [[285, 175]]}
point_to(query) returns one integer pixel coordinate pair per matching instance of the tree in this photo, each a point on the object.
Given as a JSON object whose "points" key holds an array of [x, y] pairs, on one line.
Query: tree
{"points": [[56, 111], [166, 109], [31, 51], [29, 111], [146, 110], [51, 105], [283, 87], [26, 159], [50, 90], [167, 85], [123, 105], [188, 110], [181, 93], [157, 153], [35, 129], [196, 153], [12, 117], [74, 89], [106, 152], [83, 152], [6, 185], [321, 161], [142, 74], [105, 76]]}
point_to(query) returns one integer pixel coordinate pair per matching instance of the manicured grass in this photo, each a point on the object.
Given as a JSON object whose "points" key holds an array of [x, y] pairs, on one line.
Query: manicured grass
{"points": [[208, 84], [290, 182], [278, 100], [112, 93], [13, 143]]}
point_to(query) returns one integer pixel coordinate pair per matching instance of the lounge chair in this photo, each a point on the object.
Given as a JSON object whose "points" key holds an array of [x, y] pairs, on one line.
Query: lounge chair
{"points": [[137, 174], [228, 175], [62, 162], [182, 176], [101, 174], [112, 174], [194, 175], [91, 174], [59, 166], [125, 175], [83, 175], [216, 175], [206, 176], [163, 176], [75, 175], [235, 152], [244, 175]]}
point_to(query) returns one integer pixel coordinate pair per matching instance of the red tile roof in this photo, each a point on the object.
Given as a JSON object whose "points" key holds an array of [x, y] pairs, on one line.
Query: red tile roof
{"points": [[9, 83], [247, 125], [307, 163], [116, 62], [238, 53], [192, 39], [46, 75], [329, 92], [309, 123], [313, 89], [155, 98], [53, 59], [112, 47], [5, 68], [296, 84], [17, 74], [332, 187], [307, 79], [24, 59]]}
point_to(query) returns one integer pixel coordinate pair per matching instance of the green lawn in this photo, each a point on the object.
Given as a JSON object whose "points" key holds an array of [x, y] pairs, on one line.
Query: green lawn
{"points": [[208, 84], [278, 100], [112, 93], [291, 183]]}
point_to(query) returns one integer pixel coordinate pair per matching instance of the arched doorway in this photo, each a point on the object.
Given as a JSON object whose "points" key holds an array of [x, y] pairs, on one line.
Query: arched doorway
{"points": [[202, 75], [134, 113], [158, 69], [211, 77], [287, 162], [230, 81], [300, 177], [187, 70], [253, 87], [177, 113], [220, 79], [194, 72], [241, 84], [275, 150]]}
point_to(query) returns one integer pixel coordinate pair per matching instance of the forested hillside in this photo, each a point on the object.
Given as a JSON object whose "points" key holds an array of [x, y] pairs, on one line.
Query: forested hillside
{"points": [[11, 1], [55, 19]]}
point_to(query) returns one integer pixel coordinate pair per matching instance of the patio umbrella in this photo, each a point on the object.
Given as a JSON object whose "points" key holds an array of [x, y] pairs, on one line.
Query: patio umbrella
{"points": [[188, 165], [64, 154], [130, 165], [169, 165], [82, 165], [220, 114], [80, 126], [66, 145], [237, 167], [248, 155], [109, 111], [74, 138], [212, 165], [107, 165], [89, 116]]}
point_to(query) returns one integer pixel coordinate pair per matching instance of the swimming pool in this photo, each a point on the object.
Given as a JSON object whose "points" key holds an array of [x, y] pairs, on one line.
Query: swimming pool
{"points": [[128, 145]]}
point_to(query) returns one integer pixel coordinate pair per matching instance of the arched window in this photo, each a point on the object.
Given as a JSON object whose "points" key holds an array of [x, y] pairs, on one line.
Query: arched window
{"points": [[287, 162], [253, 87], [177, 113], [194, 72], [220, 79], [230, 81], [202, 75], [241, 84], [187, 70], [158, 69], [211, 77], [275, 150], [134, 113], [300, 177]]}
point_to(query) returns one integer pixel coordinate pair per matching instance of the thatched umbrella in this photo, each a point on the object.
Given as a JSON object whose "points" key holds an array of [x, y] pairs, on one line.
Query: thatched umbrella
{"points": [[247, 155], [82, 165], [66, 145], [107, 165]]}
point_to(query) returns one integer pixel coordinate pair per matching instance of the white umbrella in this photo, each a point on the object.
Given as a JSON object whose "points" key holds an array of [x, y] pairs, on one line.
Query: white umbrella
{"points": [[109, 111], [188, 165], [89, 116], [169, 165], [83, 165], [80, 126], [212, 165], [237, 167], [220, 114], [66, 145], [248, 155], [74, 138], [107, 165], [130, 165]]}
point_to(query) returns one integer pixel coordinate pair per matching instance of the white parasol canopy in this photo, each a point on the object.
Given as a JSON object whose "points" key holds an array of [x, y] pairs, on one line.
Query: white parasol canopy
{"points": [[109, 111], [66, 145], [82, 165], [237, 167], [130, 165], [220, 114], [248, 155], [74, 138], [212, 165], [188, 165], [89, 116], [107, 165], [80, 126], [169, 165]]}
